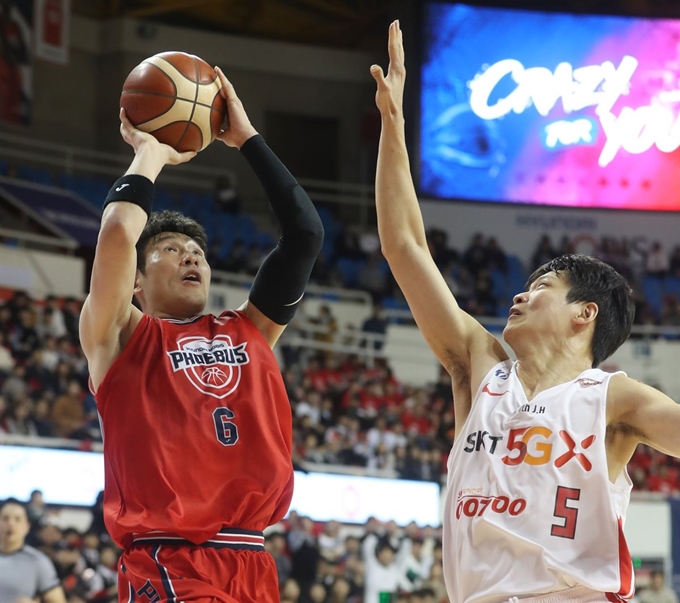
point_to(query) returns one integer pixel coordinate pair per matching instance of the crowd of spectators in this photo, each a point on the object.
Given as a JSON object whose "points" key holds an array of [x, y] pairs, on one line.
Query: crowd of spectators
{"points": [[347, 411], [478, 273]]}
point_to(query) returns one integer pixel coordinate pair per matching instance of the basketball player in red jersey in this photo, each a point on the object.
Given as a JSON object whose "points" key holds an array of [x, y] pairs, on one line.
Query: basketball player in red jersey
{"points": [[537, 485], [195, 417]]}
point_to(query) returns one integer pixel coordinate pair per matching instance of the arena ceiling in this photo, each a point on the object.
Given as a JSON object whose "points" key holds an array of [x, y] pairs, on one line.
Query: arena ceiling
{"points": [[358, 24]]}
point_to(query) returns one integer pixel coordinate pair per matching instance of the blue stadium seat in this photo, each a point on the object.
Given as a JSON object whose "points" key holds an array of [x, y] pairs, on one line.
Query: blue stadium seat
{"points": [[32, 174], [266, 241], [651, 287], [162, 200], [246, 229], [671, 286], [499, 284], [349, 271]]}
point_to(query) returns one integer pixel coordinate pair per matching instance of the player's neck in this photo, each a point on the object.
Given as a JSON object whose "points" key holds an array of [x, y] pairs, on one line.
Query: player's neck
{"points": [[540, 372]]}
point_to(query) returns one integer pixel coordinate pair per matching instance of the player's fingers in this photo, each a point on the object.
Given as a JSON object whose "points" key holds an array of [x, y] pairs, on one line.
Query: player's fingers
{"points": [[186, 156], [227, 89], [378, 75], [401, 43], [393, 41]]}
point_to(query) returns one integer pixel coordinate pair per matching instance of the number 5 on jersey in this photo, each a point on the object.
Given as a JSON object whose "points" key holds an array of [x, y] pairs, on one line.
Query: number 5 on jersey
{"points": [[566, 512], [225, 429]]}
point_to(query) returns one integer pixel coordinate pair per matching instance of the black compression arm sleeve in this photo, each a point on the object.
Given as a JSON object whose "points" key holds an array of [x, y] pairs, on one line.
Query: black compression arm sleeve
{"points": [[282, 278]]}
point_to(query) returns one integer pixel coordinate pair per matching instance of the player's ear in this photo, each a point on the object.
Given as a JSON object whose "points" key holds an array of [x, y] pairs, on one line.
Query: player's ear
{"points": [[588, 313], [137, 287]]}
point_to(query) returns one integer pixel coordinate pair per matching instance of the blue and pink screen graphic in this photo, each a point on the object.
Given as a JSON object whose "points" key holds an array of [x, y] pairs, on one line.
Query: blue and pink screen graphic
{"points": [[549, 108]]}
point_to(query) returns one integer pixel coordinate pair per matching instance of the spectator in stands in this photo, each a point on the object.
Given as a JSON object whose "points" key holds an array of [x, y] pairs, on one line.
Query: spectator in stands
{"points": [[544, 252], [19, 301], [658, 263], [674, 262], [315, 594], [462, 284], [26, 574], [331, 544], [437, 242], [254, 259], [104, 582], [42, 419], [416, 562], [347, 246], [226, 198], [24, 340], [68, 413], [72, 317], [53, 322], [435, 583], [327, 323], [6, 321], [670, 311], [275, 544], [373, 276], [658, 592], [290, 593], [36, 509], [15, 386], [237, 259], [304, 549], [90, 549], [6, 359], [497, 259], [19, 421], [375, 324], [70, 566], [484, 294], [340, 591], [323, 272], [383, 571], [476, 257]]}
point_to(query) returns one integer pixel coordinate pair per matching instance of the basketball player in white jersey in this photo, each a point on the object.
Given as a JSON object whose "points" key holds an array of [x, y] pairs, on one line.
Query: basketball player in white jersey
{"points": [[537, 484]]}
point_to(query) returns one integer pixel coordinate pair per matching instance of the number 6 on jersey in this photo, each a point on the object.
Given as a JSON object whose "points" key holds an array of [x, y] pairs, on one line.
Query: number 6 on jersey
{"points": [[227, 432]]}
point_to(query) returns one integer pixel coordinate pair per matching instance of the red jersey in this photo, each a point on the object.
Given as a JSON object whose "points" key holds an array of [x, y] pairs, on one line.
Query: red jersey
{"points": [[197, 430]]}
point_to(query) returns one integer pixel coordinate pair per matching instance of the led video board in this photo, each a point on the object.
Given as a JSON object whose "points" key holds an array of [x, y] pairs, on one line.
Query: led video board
{"points": [[549, 108]]}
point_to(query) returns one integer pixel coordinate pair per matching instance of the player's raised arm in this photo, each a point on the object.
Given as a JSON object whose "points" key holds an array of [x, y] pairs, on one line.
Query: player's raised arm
{"points": [[647, 415], [282, 278], [108, 311], [454, 336]]}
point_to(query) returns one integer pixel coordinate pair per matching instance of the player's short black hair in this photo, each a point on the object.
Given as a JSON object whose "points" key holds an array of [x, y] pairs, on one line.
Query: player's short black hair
{"points": [[168, 221], [591, 280]]}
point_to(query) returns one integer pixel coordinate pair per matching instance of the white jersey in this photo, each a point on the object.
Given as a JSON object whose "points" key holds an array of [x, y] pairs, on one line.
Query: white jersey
{"points": [[529, 506]]}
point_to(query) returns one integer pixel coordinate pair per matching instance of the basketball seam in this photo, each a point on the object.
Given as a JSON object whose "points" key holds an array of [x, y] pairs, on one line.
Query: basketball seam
{"points": [[193, 108], [198, 72], [165, 75], [186, 100]]}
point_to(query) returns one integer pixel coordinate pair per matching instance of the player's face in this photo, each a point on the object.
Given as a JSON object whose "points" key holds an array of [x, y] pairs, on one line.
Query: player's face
{"points": [[14, 526], [176, 278], [542, 310]]}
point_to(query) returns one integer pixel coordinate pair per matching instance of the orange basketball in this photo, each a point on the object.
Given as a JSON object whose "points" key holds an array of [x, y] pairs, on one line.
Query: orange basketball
{"points": [[176, 97]]}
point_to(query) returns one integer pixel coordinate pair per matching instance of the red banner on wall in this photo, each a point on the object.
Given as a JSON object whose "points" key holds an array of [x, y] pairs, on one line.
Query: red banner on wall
{"points": [[52, 30]]}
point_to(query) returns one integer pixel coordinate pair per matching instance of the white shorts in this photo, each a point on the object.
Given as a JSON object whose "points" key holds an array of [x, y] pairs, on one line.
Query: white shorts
{"points": [[577, 594]]}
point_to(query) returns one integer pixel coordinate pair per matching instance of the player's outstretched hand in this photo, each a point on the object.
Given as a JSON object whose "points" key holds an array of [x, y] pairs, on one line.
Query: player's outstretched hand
{"points": [[390, 94], [238, 127], [141, 140]]}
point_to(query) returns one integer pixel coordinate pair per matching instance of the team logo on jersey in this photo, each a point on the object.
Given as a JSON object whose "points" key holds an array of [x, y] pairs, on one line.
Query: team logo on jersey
{"points": [[501, 374], [213, 366], [588, 382]]}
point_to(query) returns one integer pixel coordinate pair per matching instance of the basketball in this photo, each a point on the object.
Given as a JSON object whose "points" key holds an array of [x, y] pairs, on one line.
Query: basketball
{"points": [[176, 97]]}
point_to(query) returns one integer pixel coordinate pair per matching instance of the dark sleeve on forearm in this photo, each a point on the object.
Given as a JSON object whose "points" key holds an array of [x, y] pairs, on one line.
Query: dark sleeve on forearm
{"points": [[282, 278]]}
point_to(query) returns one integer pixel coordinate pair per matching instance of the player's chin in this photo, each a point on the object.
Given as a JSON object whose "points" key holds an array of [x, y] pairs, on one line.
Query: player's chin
{"points": [[194, 302]]}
